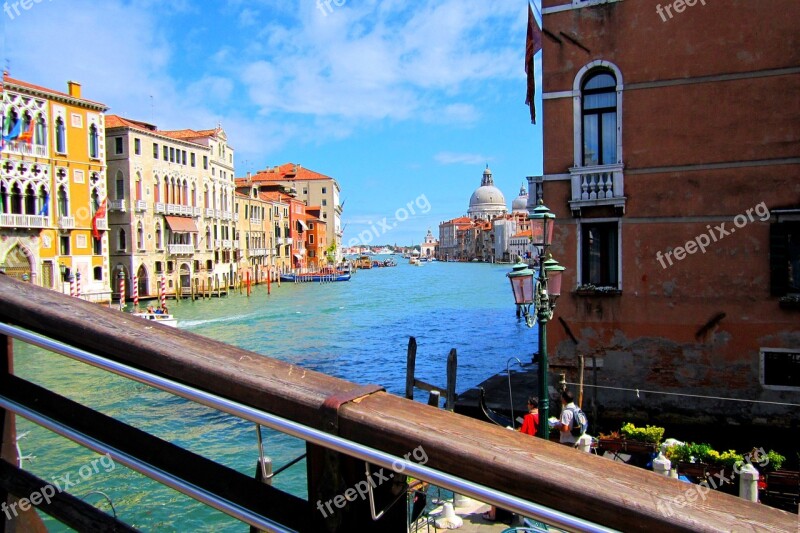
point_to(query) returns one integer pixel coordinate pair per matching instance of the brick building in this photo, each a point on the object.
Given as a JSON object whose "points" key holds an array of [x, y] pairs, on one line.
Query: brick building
{"points": [[672, 161]]}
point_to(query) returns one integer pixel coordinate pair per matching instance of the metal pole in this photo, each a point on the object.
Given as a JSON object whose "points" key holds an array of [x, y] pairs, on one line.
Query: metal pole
{"points": [[542, 317]]}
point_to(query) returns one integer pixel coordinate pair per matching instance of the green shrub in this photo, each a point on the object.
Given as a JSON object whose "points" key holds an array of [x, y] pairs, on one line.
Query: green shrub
{"points": [[701, 453], [651, 434]]}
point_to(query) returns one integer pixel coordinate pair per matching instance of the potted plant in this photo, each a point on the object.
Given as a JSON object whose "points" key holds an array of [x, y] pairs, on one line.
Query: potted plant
{"points": [[631, 439], [690, 458]]}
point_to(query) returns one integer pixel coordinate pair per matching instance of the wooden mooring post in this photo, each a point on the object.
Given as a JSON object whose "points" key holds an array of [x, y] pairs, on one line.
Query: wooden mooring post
{"points": [[411, 381]]}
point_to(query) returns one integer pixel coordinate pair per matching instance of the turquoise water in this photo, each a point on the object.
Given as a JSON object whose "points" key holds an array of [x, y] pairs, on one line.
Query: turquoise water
{"points": [[356, 330]]}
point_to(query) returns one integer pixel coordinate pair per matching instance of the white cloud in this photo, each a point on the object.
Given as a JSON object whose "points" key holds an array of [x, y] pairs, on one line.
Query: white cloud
{"points": [[453, 158]]}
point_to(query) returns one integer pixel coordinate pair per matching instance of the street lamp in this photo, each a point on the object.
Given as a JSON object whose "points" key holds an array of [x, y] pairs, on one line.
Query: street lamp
{"points": [[542, 295]]}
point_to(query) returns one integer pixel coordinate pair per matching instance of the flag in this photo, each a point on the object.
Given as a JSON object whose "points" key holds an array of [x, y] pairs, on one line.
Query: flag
{"points": [[101, 213], [27, 136], [532, 45], [14, 133], [45, 210]]}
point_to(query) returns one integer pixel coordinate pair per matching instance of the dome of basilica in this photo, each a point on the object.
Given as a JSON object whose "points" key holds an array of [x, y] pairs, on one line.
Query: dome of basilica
{"points": [[487, 201]]}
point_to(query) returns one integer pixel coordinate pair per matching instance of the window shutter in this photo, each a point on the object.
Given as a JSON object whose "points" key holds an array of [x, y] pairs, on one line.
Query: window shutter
{"points": [[778, 259]]}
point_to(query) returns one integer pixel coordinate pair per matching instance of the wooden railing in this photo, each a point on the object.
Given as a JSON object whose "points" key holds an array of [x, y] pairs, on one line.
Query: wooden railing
{"points": [[511, 467]]}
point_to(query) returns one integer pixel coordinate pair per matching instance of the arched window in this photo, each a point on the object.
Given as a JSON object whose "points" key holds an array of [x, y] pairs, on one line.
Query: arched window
{"points": [[120, 185], [3, 198], [98, 273], [94, 142], [30, 200], [122, 241], [63, 202], [599, 115], [209, 243], [95, 202], [40, 133], [11, 122], [61, 136], [42, 202], [156, 190]]}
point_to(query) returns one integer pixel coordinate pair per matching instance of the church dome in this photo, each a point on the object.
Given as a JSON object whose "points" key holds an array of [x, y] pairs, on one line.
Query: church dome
{"points": [[487, 200], [520, 203]]}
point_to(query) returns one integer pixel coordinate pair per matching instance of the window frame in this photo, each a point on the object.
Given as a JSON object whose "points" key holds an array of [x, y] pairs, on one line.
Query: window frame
{"points": [[580, 266], [581, 77], [762, 369]]}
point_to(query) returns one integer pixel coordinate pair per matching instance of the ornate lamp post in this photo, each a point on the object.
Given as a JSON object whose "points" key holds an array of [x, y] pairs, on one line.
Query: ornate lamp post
{"points": [[542, 295]]}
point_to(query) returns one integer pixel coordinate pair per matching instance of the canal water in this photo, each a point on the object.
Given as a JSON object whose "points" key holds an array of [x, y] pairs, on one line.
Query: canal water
{"points": [[356, 330]]}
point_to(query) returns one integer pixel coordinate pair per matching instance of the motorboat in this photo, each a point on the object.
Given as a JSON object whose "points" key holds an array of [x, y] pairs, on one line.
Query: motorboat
{"points": [[160, 318]]}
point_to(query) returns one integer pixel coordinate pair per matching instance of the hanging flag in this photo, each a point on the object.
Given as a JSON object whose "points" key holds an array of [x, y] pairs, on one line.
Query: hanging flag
{"points": [[101, 213], [27, 136], [533, 44], [45, 210], [14, 133]]}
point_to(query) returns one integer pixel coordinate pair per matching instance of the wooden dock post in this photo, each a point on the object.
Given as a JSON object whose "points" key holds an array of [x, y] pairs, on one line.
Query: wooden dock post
{"points": [[452, 368], [411, 362]]}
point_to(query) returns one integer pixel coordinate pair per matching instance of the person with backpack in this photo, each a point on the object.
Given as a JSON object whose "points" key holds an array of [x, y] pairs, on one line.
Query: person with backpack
{"points": [[573, 422]]}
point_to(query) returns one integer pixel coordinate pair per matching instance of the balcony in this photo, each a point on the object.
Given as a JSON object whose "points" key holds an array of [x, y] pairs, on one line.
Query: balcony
{"points": [[226, 244], [140, 206], [597, 186], [177, 209], [181, 249], [287, 240], [227, 215], [197, 211], [23, 148], [257, 252], [236, 244], [209, 213], [23, 221], [102, 224], [236, 217], [66, 222], [161, 208], [279, 240], [117, 205]]}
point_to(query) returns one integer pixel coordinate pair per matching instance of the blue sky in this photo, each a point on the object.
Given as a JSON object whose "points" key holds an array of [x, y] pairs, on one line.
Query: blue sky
{"points": [[394, 99]]}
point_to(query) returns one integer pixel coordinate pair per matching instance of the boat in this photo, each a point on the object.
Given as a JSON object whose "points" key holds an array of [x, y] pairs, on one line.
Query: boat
{"points": [[363, 262], [160, 318], [321, 277]]}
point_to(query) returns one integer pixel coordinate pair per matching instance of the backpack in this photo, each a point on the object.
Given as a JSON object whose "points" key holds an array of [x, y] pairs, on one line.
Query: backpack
{"points": [[579, 422]]}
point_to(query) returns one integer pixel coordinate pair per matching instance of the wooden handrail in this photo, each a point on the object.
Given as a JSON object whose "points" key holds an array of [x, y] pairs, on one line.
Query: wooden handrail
{"points": [[594, 488]]}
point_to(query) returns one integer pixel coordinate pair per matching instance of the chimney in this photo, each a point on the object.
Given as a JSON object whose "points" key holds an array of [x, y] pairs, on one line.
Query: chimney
{"points": [[248, 175], [74, 89]]}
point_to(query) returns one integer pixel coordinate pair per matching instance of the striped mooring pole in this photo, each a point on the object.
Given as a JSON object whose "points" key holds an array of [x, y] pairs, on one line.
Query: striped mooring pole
{"points": [[135, 280], [163, 291], [121, 290]]}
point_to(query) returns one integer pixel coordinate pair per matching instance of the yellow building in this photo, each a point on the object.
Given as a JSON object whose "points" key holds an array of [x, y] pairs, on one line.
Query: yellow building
{"points": [[53, 227]]}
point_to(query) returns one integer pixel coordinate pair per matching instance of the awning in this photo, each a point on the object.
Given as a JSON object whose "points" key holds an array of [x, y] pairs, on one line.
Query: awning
{"points": [[181, 224], [303, 225], [298, 256]]}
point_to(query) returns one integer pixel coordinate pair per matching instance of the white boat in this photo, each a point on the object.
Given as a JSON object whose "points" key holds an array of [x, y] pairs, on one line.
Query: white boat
{"points": [[161, 318]]}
